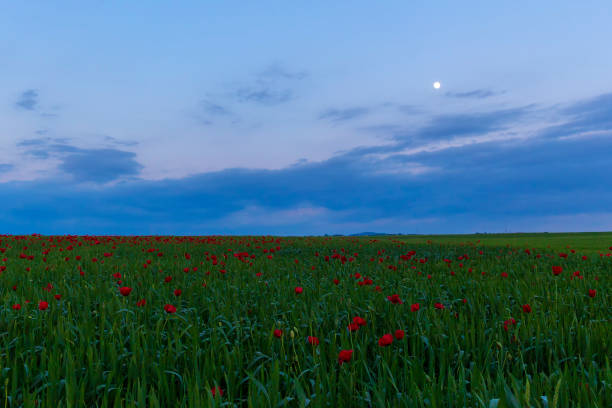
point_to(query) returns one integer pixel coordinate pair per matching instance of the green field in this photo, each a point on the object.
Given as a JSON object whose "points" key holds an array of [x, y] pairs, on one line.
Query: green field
{"points": [[579, 241], [494, 325]]}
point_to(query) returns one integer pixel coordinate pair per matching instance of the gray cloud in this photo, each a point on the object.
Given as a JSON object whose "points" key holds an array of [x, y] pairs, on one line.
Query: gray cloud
{"points": [[272, 86], [344, 115], [263, 95], [477, 93], [589, 115], [28, 100], [99, 165], [215, 109]]}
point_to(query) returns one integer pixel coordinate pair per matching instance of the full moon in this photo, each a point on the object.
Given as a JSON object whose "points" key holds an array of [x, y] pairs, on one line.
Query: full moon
{"points": [[436, 85]]}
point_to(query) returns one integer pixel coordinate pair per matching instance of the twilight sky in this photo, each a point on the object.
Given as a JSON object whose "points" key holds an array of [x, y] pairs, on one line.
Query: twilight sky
{"points": [[270, 117]]}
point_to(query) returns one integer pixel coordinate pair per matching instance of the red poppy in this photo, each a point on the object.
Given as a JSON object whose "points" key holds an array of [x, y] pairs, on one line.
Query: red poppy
{"points": [[353, 327], [141, 303], [298, 290], [125, 290], [509, 322], [592, 293], [57, 297], [345, 356], [504, 274], [557, 270], [395, 299], [177, 292], [313, 340], [336, 281], [278, 333], [167, 279], [439, 306], [399, 334], [415, 307], [385, 340], [42, 305], [16, 306], [216, 390], [526, 308], [170, 308], [359, 321]]}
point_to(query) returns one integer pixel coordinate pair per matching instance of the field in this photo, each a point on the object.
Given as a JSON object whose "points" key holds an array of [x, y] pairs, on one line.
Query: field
{"points": [[439, 321]]}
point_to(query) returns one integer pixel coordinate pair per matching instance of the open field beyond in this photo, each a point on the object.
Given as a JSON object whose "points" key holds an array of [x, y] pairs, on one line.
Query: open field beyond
{"points": [[437, 321]]}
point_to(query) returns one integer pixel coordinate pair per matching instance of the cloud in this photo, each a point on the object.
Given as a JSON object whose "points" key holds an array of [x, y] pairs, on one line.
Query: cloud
{"points": [[477, 93], [585, 116], [99, 165], [525, 184], [263, 95], [4, 167], [28, 100], [476, 123], [344, 115], [272, 86], [484, 187], [214, 109]]}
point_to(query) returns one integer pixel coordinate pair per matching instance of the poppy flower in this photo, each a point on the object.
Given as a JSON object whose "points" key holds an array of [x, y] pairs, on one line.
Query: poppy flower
{"points": [[278, 333], [353, 327], [415, 307], [359, 321], [57, 297], [509, 322], [313, 340], [592, 293], [385, 340], [556, 270], [216, 390], [439, 306], [336, 281], [399, 334], [177, 292], [167, 279], [526, 308], [141, 303], [298, 290], [170, 308], [42, 305], [504, 274], [345, 356], [395, 299], [16, 306], [125, 290]]}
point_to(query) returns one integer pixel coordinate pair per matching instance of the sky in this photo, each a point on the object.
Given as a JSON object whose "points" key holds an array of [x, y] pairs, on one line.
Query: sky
{"points": [[275, 117]]}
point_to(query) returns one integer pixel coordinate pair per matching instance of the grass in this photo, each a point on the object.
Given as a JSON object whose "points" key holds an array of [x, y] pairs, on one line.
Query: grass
{"points": [[95, 347], [591, 242]]}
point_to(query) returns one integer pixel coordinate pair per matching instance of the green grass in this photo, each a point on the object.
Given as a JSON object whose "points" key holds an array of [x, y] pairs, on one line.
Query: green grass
{"points": [[592, 242], [95, 347]]}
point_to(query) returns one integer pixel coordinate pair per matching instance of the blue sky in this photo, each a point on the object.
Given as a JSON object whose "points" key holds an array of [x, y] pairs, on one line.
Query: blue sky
{"points": [[277, 118]]}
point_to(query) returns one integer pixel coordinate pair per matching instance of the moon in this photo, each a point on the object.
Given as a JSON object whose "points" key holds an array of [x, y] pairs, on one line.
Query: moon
{"points": [[437, 85]]}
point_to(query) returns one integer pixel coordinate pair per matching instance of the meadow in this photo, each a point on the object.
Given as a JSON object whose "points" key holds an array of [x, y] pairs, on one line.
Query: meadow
{"points": [[406, 321]]}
